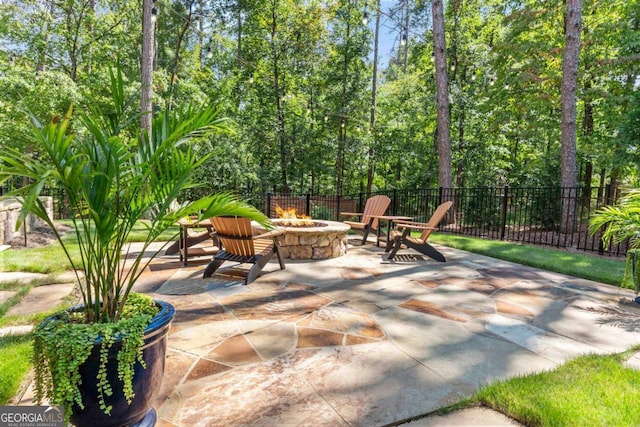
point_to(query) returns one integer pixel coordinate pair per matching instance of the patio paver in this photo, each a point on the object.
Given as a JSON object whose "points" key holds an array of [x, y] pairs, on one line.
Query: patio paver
{"points": [[362, 341]]}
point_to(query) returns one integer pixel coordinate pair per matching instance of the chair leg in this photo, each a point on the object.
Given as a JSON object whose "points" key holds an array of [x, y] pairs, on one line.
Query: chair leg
{"points": [[280, 260], [365, 234], [397, 243], [212, 267], [390, 243], [253, 273], [428, 250], [260, 262]]}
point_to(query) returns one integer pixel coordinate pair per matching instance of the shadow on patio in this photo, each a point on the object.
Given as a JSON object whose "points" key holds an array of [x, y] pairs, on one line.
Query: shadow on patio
{"points": [[361, 341]]}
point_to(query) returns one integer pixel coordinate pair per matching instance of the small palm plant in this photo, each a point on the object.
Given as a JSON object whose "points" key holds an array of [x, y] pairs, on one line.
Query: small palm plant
{"points": [[114, 177], [619, 223]]}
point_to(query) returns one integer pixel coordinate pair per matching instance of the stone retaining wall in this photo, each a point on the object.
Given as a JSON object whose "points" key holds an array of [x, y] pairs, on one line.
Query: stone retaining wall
{"points": [[9, 211]]}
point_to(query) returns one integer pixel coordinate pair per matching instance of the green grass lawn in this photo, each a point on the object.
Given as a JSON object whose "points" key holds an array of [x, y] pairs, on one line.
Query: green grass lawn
{"points": [[51, 259], [593, 267], [587, 391], [15, 362], [46, 259], [138, 234]]}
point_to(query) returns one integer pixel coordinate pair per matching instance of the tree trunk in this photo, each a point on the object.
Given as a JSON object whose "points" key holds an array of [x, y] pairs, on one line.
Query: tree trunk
{"points": [[587, 133], [41, 66], [201, 30], [73, 23], [343, 106], [442, 96], [92, 12], [239, 40], [176, 62], [569, 89], [146, 106], [374, 88], [462, 147], [405, 36], [586, 185], [603, 172], [614, 183], [278, 98]]}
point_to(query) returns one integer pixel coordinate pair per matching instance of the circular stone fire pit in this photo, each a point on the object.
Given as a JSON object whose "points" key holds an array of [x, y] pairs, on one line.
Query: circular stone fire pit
{"points": [[322, 240]]}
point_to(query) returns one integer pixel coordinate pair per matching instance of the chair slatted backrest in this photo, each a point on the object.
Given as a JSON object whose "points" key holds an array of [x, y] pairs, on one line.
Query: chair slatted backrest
{"points": [[435, 219], [376, 205], [235, 234]]}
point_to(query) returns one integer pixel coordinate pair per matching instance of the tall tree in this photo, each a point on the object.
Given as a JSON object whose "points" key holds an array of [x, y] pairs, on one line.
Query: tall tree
{"points": [[187, 21], [374, 89], [442, 96], [277, 48], [342, 131], [404, 38], [569, 88], [149, 16]]}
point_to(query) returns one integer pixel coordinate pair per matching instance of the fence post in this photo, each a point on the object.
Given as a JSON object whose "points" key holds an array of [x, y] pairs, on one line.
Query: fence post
{"points": [[394, 203], [440, 196], [308, 207], [505, 204], [605, 200], [268, 206], [607, 195], [58, 196], [338, 207]]}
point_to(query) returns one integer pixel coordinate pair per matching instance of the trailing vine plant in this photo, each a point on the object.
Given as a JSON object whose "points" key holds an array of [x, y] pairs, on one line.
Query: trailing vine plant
{"points": [[62, 344], [114, 176]]}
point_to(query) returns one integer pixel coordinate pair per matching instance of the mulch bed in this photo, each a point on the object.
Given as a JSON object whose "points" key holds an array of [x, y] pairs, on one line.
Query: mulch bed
{"points": [[36, 237]]}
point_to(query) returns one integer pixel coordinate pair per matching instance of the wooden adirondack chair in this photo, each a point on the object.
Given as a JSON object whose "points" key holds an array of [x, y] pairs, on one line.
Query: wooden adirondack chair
{"points": [[402, 235], [241, 244], [375, 206]]}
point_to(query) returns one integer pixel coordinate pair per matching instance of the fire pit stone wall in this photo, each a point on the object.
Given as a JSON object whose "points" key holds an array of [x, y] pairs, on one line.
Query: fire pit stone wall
{"points": [[328, 240]]}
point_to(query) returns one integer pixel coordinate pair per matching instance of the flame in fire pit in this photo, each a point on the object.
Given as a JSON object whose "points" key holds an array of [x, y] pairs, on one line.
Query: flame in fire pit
{"points": [[292, 218]]}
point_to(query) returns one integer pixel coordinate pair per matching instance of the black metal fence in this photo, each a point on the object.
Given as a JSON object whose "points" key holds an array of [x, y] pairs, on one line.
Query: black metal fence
{"points": [[524, 215], [61, 208]]}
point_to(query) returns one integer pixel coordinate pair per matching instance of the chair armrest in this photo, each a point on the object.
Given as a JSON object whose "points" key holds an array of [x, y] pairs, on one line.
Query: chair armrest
{"points": [[351, 213], [270, 234], [414, 225]]}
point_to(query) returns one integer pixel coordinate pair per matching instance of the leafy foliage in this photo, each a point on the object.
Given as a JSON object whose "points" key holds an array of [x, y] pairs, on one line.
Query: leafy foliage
{"points": [[62, 345], [620, 222], [15, 355], [290, 73], [114, 176], [112, 181]]}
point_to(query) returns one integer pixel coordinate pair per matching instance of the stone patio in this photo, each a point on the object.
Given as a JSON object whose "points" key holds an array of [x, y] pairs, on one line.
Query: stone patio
{"points": [[361, 341]]}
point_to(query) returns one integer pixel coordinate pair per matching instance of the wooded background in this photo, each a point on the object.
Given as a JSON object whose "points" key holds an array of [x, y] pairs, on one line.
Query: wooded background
{"points": [[317, 109]]}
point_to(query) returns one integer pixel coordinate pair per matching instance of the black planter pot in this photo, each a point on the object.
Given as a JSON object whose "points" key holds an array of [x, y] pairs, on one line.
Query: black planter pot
{"points": [[146, 382]]}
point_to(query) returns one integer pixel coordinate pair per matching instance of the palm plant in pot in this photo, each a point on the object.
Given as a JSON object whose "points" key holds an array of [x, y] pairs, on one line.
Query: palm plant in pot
{"points": [[619, 223], [104, 359]]}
